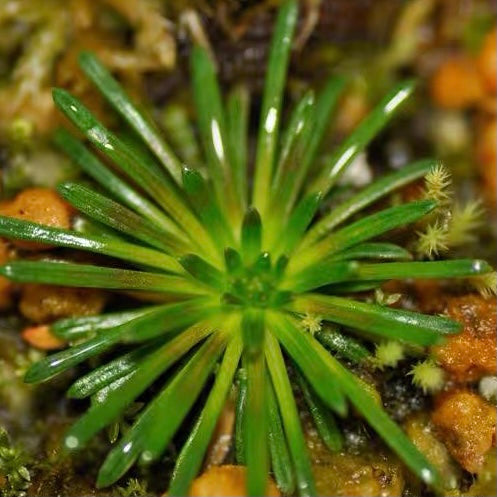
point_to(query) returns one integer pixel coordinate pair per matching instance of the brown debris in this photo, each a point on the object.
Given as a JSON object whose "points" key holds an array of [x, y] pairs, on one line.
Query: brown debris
{"points": [[42, 338], [46, 303], [5, 284], [470, 354], [226, 481], [39, 205], [466, 424]]}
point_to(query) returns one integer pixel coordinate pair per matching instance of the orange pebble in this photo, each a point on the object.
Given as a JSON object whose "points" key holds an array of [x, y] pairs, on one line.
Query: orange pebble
{"points": [[42, 338], [456, 84], [225, 481], [487, 61], [39, 205]]}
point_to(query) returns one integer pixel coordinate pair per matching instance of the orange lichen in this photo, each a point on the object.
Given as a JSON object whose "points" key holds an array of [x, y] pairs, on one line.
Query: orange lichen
{"points": [[456, 84], [470, 354], [466, 424], [42, 338], [40, 205], [225, 481], [486, 62], [45, 303]]}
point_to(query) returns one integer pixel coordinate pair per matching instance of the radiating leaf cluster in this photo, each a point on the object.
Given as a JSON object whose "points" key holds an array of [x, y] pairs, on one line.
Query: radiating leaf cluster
{"points": [[232, 265]]}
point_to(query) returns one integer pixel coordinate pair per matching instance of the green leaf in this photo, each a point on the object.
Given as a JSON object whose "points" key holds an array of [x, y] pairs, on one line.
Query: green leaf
{"points": [[121, 102], [203, 271], [251, 236], [344, 345], [92, 166], [255, 422], [290, 168], [384, 322], [348, 150], [91, 383], [321, 274], [360, 231], [240, 411], [295, 341], [120, 218], [299, 220], [84, 326], [207, 208], [253, 330], [212, 127], [189, 460], [323, 419], [26, 230], [237, 117], [102, 414], [291, 419], [378, 189], [144, 175], [459, 268], [385, 251], [390, 432], [60, 361], [281, 462], [155, 427], [325, 105], [233, 261], [271, 103], [86, 276]]}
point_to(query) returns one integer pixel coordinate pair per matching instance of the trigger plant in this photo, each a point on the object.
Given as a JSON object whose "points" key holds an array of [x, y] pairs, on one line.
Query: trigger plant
{"points": [[235, 265]]}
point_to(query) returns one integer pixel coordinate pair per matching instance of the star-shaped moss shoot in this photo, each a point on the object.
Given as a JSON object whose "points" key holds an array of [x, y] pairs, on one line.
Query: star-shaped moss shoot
{"points": [[238, 264]]}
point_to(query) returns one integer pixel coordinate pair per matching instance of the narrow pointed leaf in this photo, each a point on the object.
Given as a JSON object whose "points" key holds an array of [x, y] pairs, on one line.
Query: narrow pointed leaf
{"points": [[203, 271], [271, 102], [120, 218], [362, 230], [344, 345], [378, 189], [237, 117], [233, 261], [26, 230], [297, 224], [251, 236], [323, 419], [157, 186], [253, 331], [86, 276], [290, 168], [321, 274], [155, 427], [424, 269], [296, 342], [102, 414], [56, 363], [189, 461], [91, 383], [207, 208], [361, 136], [255, 421], [385, 322], [281, 462], [291, 419], [390, 432], [82, 327], [121, 102], [325, 105], [92, 166], [212, 126], [240, 411], [385, 251]]}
